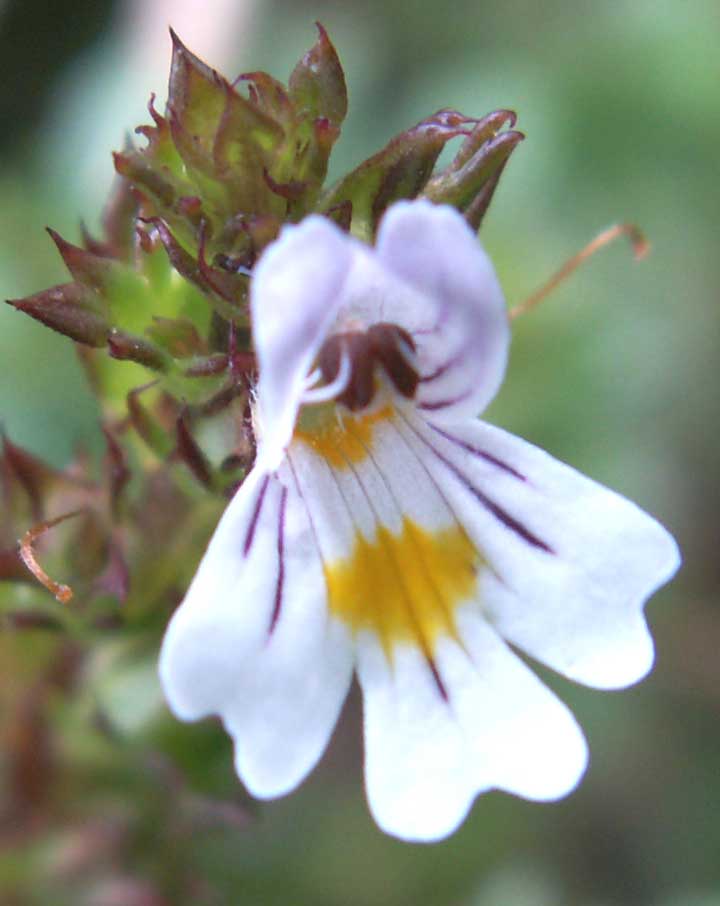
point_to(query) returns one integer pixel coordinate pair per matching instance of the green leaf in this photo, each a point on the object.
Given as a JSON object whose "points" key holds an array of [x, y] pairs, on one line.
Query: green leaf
{"points": [[245, 146], [139, 171], [196, 96], [485, 128], [177, 336], [125, 346], [91, 271], [400, 170], [317, 84], [459, 186], [70, 309], [270, 96]]}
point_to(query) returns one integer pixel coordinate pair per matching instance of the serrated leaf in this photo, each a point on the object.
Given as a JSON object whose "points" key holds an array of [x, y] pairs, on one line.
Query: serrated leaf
{"points": [[224, 140], [269, 95], [196, 95], [245, 145], [190, 452], [400, 170], [118, 222], [160, 148], [177, 336], [138, 170], [215, 286], [70, 309], [128, 347], [459, 187], [88, 269], [147, 425], [311, 162], [484, 129], [317, 84]]}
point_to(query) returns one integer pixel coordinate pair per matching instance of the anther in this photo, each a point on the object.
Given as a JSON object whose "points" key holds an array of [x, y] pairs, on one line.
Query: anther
{"points": [[384, 344]]}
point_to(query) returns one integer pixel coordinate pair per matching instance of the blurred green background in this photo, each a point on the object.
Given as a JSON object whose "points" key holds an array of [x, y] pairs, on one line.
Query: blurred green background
{"points": [[617, 374]]}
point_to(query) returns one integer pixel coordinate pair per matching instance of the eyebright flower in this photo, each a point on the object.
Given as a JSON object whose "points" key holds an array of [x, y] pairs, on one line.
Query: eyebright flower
{"points": [[383, 529]]}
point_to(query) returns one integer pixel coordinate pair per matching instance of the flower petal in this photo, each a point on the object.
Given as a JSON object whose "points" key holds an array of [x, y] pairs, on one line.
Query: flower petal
{"points": [[396, 560], [427, 757], [572, 563], [449, 710], [463, 351], [295, 297], [253, 642]]}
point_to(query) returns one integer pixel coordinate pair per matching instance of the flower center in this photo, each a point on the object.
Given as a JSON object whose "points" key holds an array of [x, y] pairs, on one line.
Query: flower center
{"points": [[405, 587], [382, 344], [340, 442]]}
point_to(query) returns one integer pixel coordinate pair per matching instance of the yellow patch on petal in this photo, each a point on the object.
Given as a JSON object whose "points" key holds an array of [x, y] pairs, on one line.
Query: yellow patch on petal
{"points": [[339, 440], [406, 587]]}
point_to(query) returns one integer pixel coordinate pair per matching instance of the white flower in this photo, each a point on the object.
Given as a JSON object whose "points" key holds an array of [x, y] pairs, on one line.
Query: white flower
{"points": [[385, 530]]}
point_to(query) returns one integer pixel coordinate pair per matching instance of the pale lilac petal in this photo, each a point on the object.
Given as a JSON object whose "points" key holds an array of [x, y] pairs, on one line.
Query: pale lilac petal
{"points": [[571, 562], [253, 641], [463, 347], [296, 293]]}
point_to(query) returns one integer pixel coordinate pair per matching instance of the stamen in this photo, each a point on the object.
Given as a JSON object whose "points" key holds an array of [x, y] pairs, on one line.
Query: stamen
{"points": [[335, 388], [640, 245], [383, 344], [392, 346]]}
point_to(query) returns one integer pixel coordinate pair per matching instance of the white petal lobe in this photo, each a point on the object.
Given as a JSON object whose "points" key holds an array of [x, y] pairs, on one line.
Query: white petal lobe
{"points": [[427, 758], [573, 563], [253, 643]]}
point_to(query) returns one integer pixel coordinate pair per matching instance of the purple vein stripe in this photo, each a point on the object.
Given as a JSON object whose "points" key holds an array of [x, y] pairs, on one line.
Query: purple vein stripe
{"points": [[482, 454], [277, 606], [507, 520], [441, 404], [255, 516], [442, 689], [439, 371]]}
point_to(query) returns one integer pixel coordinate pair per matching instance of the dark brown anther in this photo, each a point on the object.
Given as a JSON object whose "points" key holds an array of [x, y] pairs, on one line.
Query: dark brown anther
{"points": [[361, 386], [355, 345], [382, 344], [386, 345]]}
